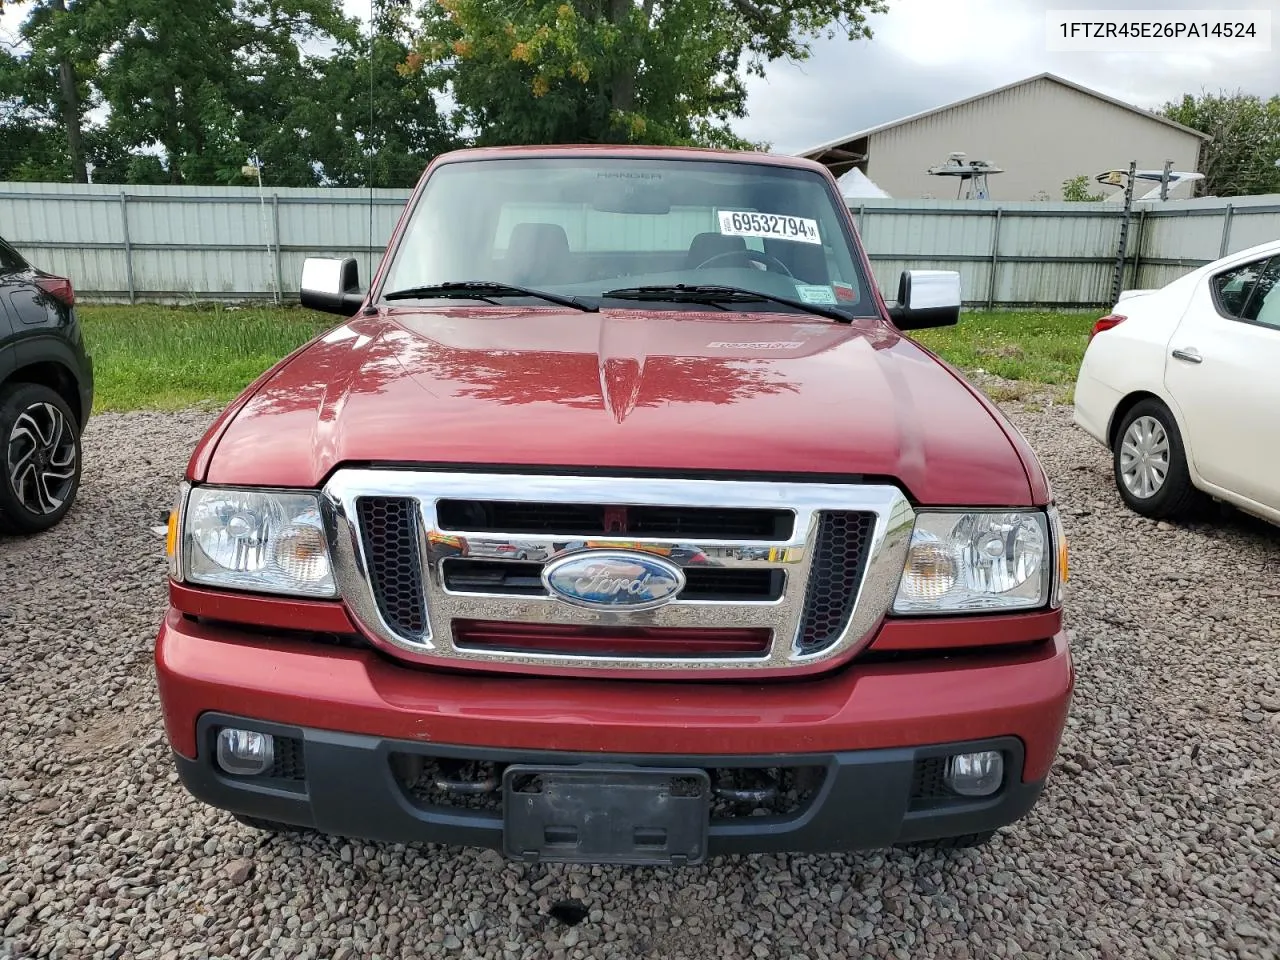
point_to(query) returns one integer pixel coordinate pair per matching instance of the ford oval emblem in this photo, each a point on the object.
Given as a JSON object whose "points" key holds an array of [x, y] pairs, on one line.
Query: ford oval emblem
{"points": [[613, 580]]}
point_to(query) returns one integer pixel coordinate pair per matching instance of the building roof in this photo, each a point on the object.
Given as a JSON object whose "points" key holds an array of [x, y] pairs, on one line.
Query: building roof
{"points": [[859, 134]]}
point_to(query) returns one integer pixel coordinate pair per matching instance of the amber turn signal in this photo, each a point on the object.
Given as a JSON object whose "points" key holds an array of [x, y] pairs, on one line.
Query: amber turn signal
{"points": [[171, 539]]}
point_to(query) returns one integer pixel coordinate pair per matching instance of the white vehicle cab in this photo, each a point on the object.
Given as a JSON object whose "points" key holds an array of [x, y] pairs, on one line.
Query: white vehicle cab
{"points": [[1183, 386]]}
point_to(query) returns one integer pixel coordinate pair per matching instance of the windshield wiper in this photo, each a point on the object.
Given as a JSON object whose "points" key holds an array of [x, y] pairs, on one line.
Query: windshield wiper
{"points": [[483, 290], [717, 294]]}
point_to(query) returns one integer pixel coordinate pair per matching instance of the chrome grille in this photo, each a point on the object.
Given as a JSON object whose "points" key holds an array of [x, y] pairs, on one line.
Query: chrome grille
{"points": [[817, 575]]}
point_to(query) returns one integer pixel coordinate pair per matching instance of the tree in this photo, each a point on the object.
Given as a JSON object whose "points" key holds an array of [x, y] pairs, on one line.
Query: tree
{"points": [[616, 71], [31, 143], [354, 142], [1240, 159], [52, 31], [1077, 189], [206, 80]]}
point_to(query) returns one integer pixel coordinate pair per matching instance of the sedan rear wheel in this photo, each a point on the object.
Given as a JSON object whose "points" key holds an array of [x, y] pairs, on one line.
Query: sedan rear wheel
{"points": [[1144, 457], [1150, 463]]}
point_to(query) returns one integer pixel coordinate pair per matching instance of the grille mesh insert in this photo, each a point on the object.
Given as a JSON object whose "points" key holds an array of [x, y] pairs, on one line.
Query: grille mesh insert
{"points": [[389, 526], [840, 558], [927, 782], [288, 764]]}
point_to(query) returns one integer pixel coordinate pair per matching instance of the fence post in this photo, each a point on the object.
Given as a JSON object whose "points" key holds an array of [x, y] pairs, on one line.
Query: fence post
{"points": [[862, 211], [128, 247], [995, 258], [275, 236], [1117, 279], [1226, 230]]}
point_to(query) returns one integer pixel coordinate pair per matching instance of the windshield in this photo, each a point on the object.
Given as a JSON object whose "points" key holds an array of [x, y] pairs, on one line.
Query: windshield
{"points": [[584, 226]]}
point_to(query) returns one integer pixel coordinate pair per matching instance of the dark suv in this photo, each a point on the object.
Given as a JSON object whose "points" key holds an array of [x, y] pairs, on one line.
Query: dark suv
{"points": [[46, 393]]}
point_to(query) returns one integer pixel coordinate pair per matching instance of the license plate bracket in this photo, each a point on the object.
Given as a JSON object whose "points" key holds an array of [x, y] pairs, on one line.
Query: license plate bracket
{"points": [[605, 814]]}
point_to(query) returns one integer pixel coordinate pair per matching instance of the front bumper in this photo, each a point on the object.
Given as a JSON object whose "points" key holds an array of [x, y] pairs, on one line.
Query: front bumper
{"points": [[347, 786], [866, 726]]}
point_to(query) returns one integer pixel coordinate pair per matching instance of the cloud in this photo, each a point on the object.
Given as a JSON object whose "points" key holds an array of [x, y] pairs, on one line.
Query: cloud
{"points": [[926, 53]]}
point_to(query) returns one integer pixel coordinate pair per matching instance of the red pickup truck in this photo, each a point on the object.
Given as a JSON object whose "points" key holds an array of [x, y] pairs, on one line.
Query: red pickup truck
{"points": [[618, 521]]}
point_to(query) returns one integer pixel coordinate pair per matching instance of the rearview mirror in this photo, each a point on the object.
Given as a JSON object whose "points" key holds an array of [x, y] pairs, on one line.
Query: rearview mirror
{"points": [[927, 298], [331, 285], [641, 198]]}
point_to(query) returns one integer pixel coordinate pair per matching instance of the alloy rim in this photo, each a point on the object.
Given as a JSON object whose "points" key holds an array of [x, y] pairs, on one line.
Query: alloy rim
{"points": [[41, 458]]}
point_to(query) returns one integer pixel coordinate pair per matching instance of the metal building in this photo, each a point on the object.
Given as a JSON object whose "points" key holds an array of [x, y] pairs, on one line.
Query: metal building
{"points": [[1040, 131]]}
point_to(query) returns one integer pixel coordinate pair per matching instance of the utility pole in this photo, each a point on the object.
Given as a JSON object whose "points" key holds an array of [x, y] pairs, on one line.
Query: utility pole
{"points": [[1118, 280], [1164, 180]]}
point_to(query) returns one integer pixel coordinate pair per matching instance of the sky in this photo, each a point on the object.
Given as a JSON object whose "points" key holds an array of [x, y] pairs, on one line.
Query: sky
{"points": [[926, 53]]}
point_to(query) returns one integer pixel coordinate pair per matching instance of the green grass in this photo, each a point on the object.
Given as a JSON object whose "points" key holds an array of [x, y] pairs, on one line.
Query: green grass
{"points": [[1037, 347], [167, 358]]}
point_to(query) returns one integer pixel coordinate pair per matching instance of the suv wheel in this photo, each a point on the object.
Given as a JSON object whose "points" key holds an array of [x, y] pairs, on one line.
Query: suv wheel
{"points": [[39, 458]]}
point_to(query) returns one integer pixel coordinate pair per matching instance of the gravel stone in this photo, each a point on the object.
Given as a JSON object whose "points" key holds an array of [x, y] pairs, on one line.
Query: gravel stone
{"points": [[1156, 836]]}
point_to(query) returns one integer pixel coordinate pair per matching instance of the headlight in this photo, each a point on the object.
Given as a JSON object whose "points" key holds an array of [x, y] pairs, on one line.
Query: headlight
{"points": [[977, 561], [256, 540]]}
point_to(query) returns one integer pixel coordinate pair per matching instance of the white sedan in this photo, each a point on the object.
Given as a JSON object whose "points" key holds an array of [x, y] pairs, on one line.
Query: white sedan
{"points": [[1182, 384]]}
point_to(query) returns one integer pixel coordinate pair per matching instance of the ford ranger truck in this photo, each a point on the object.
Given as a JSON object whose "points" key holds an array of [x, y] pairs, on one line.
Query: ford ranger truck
{"points": [[617, 521]]}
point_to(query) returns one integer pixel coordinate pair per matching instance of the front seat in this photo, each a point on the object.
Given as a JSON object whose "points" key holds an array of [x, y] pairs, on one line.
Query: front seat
{"points": [[537, 253], [708, 245]]}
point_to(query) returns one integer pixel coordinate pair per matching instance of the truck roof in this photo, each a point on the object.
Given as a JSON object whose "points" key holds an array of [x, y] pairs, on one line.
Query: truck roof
{"points": [[613, 151]]}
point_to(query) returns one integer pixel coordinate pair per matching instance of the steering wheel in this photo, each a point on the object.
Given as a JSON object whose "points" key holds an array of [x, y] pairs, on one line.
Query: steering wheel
{"points": [[751, 256]]}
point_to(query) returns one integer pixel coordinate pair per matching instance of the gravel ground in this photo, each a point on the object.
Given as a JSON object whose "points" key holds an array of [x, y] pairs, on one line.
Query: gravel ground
{"points": [[1157, 835]]}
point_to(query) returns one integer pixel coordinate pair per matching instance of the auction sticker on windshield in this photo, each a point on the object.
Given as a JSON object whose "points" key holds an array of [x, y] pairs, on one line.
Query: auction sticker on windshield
{"points": [[771, 226], [815, 293]]}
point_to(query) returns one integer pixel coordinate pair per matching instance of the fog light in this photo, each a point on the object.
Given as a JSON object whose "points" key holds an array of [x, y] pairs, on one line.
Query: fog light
{"points": [[245, 753], [975, 774]]}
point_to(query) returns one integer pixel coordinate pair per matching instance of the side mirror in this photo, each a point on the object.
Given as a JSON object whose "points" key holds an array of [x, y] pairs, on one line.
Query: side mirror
{"points": [[927, 298], [331, 285]]}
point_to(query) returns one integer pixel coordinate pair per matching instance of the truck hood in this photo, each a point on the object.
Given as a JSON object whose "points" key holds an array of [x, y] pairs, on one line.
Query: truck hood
{"points": [[625, 390]]}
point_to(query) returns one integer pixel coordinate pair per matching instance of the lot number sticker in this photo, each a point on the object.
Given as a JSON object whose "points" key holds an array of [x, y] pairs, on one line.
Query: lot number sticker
{"points": [[736, 223]]}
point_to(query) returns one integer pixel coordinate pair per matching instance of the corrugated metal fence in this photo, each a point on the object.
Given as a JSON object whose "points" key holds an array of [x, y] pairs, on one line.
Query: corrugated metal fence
{"points": [[175, 243], [1057, 254], [231, 243]]}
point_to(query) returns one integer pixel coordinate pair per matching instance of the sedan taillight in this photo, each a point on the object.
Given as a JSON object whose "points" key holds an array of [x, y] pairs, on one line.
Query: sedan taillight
{"points": [[57, 287], [1106, 323]]}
